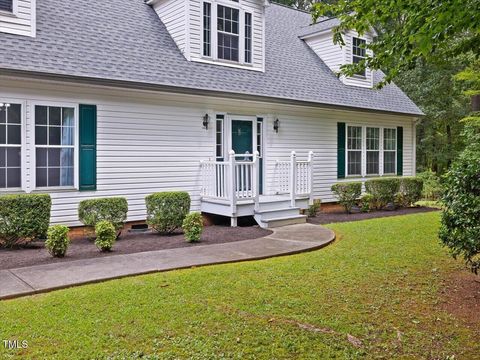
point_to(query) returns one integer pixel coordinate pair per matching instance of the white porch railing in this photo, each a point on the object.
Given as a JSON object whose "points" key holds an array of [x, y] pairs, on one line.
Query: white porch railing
{"points": [[239, 178], [294, 177]]}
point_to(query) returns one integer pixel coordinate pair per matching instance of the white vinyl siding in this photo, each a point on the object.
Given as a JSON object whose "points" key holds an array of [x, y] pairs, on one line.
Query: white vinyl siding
{"points": [[334, 55], [174, 15], [21, 21], [150, 141]]}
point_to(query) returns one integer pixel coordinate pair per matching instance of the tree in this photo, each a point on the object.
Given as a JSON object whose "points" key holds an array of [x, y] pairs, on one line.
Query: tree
{"points": [[433, 88], [460, 230], [428, 30]]}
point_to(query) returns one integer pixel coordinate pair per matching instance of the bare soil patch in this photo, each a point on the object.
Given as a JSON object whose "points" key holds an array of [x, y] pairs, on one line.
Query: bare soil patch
{"points": [[83, 248], [461, 297]]}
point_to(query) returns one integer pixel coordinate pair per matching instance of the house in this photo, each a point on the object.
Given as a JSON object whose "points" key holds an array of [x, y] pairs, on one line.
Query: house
{"points": [[235, 101]]}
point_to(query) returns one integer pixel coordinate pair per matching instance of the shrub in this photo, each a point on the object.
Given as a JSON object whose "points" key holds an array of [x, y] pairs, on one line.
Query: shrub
{"points": [[366, 202], [23, 218], [314, 208], [57, 240], [347, 194], [410, 190], [193, 226], [460, 229], [166, 210], [382, 190], [106, 235], [113, 210], [432, 188]]}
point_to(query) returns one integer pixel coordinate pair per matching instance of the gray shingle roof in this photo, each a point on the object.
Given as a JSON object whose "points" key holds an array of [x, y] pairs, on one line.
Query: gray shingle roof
{"points": [[124, 40], [322, 24]]}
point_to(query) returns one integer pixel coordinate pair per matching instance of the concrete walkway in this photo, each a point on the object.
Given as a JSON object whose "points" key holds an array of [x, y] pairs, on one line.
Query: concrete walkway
{"points": [[42, 278]]}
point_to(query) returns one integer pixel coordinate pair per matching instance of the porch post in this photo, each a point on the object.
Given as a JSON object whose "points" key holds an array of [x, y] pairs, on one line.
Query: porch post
{"points": [[293, 178], [233, 186], [310, 176], [256, 180]]}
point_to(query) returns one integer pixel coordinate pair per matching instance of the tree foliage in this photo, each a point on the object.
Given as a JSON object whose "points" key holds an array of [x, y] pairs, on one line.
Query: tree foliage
{"points": [[460, 230], [433, 88], [428, 30]]}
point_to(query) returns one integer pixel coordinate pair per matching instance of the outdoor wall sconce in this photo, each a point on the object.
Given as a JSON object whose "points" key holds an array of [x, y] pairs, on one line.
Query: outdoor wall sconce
{"points": [[2, 105], [206, 120], [276, 125]]}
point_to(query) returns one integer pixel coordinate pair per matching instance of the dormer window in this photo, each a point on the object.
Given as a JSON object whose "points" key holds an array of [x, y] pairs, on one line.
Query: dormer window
{"points": [[6, 5], [227, 33], [223, 32], [358, 53]]}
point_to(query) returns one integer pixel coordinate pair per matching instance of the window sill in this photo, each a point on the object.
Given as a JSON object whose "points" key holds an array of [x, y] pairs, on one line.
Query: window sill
{"points": [[8, 13], [12, 191], [55, 189]]}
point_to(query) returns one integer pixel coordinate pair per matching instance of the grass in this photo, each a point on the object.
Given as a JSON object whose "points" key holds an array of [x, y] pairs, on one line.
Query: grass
{"points": [[379, 282]]}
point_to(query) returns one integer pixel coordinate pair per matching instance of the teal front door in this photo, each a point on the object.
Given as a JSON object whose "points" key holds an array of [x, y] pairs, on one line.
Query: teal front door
{"points": [[242, 137], [243, 143]]}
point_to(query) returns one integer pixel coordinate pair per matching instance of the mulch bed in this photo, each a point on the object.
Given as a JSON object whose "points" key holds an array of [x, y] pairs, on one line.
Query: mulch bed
{"points": [[341, 216], [36, 254]]}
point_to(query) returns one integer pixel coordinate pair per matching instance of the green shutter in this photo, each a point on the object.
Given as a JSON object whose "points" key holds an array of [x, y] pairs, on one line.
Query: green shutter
{"points": [[399, 150], [88, 147], [341, 150]]}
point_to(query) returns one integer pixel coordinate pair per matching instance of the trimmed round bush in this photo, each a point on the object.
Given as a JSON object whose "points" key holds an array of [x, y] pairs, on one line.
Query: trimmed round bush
{"points": [[193, 226], [410, 190], [166, 210], [113, 210], [106, 235], [383, 190], [347, 194], [57, 240], [23, 218]]}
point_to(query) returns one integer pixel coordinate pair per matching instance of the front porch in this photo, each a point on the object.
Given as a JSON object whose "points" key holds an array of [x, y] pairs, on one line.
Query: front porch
{"points": [[232, 188]]}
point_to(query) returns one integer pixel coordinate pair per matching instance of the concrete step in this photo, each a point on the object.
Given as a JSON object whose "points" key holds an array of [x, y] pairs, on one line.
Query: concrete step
{"points": [[274, 205], [277, 222], [278, 213]]}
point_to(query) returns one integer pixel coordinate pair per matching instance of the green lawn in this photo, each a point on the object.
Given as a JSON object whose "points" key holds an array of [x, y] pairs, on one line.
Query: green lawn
{"points": [[378, 282]]}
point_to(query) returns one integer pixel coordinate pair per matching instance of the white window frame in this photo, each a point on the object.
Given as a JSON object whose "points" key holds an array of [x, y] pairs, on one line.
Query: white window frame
{"points": [[23, 137], [241, 33], [364, 151], [347, 150], [33, 147], [364, 75], [382, 154], [224, 153], [202, 37], [379, 150]]}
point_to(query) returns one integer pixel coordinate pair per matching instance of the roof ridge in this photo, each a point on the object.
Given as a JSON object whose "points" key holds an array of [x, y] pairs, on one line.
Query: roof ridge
{"points": [[290, 7]]}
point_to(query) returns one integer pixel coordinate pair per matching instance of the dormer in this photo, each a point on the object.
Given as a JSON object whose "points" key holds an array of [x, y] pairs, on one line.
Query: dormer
{"points": [[18, 17], [319, 37], [223, 32]]}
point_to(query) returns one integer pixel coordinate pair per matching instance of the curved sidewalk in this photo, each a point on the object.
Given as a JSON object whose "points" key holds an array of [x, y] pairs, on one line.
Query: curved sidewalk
{"points": [[42, 278]]}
